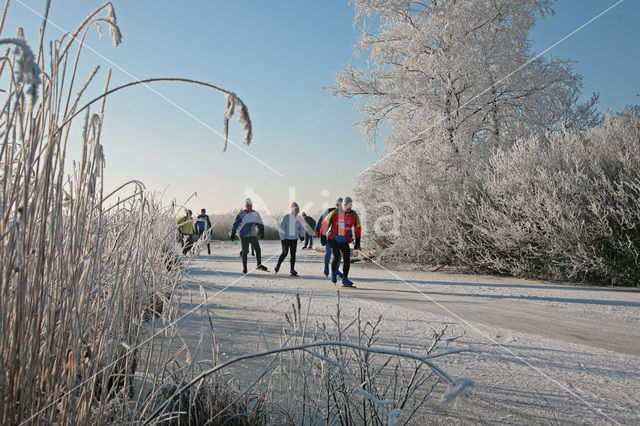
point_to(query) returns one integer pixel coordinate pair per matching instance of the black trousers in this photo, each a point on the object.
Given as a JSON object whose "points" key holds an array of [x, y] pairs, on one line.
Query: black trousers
{"points": [[338, 249], [308, 240], [208, 243], [255, 245], [288, 245], [188, 244]]}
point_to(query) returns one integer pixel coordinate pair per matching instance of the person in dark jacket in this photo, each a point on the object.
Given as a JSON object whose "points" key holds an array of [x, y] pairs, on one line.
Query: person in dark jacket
{"points": [[310, 228], [203, 224], [245, 225], [323, 239]]}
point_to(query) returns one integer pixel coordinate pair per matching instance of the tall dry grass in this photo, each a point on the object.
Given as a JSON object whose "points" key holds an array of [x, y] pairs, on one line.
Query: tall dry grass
{"points": [[81, 271]]}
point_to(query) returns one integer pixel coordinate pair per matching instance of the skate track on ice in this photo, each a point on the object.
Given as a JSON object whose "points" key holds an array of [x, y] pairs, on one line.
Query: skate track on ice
{"points": [[543, 352]]}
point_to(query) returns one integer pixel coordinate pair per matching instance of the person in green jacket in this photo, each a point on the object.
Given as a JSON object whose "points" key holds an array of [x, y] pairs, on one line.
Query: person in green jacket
{"points": [[186, 230]]}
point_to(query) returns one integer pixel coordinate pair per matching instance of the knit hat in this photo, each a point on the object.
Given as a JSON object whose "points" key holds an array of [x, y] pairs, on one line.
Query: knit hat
{"points": [[339, 200], [248, 202]]}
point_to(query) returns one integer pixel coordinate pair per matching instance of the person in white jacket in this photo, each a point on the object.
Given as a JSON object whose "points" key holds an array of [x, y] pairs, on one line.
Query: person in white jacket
{"points": [[291, 228]]}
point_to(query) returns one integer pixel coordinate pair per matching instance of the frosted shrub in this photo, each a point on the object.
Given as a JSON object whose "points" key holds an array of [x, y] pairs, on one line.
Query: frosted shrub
{"points": [[565, 206], [561, 206]]}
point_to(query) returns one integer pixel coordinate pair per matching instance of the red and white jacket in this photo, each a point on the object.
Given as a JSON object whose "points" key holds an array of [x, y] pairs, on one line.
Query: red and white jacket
{"points": [[341, 225]]}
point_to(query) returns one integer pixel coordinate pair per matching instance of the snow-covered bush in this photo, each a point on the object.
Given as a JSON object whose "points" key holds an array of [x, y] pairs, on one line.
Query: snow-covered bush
{"points": [[564, 206]]}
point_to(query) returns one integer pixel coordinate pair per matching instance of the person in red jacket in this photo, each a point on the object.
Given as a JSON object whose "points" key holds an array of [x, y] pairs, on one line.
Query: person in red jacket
{"points": [[339, 226]]}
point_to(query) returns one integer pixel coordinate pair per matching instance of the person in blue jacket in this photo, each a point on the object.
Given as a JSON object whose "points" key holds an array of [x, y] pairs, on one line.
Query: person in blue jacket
{"points": [[245, 225], [323, 239], [203, 224], [291, 228]]}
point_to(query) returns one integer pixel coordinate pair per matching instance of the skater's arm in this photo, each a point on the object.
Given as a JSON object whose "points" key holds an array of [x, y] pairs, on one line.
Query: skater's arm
{"points": [[301, 229], [357, 227], [236, 223], [319, 223], [326, 223], [260, 225], [282, 230]]}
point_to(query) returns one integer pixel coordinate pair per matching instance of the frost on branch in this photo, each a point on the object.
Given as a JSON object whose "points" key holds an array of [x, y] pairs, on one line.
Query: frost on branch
{"points": [[114, 30], [112, 21], [27, 71], [460, 386], [231, 100], [245, 122]]}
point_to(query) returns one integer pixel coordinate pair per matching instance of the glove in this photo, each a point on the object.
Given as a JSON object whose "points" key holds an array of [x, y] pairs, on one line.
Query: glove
{"points": [[323, 240], [301, 239], [261, 234], [233, 237], [317, 233], [356, 246]]}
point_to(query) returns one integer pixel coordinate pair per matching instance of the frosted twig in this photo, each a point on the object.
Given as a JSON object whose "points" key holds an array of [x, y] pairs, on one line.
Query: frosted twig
{"points": [[27, 70], [437, 370], [243, 114]]}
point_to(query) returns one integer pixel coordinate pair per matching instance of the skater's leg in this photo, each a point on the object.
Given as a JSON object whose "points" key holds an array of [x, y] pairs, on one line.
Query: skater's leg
{"points": [[293, 246], [346, 255], [256, 246], [244, 243], [336, 255], [188, 245], [327, 258], [283, 255]]}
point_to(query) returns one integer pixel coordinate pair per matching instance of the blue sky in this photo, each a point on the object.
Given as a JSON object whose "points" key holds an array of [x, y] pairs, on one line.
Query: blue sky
{"points": [[277, 56]]}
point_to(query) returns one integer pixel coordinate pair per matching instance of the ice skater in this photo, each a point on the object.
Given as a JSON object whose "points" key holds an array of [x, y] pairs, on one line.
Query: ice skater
{"points": [[323, 239], [291, 228], [338, 226], [309, 226], [203, 224], [186, 231], [245, 225]]}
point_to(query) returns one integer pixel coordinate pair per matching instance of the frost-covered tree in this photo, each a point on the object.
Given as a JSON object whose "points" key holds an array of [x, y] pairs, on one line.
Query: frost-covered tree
{"points": [[453, 85], [463, 69]]}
